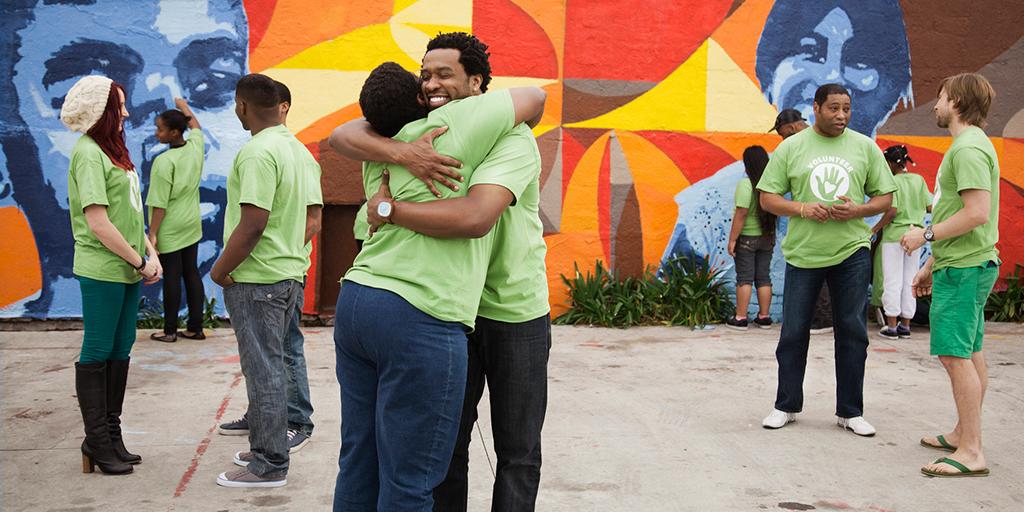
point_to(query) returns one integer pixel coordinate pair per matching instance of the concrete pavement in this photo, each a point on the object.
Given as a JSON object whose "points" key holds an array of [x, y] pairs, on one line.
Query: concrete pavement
{"points": [[645, 419]]}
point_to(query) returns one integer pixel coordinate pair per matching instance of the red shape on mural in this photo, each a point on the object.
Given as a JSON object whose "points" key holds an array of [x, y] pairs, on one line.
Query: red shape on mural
{"points": [[572, 151], [696, 158], [636, 41], [259, 13], [518, 45]]}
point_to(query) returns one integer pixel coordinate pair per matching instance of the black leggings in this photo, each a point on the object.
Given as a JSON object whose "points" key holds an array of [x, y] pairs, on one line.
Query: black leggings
{"points": [[177, 265]]}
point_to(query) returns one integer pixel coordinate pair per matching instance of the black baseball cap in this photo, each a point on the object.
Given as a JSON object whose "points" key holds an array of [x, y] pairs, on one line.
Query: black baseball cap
{"points": [[786, 116]]}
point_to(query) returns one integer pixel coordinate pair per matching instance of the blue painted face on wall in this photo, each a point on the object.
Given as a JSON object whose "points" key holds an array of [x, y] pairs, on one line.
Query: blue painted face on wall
{"points": [[861, 45], [196, 49]]}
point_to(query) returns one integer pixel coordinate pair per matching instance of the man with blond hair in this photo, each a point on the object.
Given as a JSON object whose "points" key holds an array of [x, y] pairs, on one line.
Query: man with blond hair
{"points": [[964, 264]]}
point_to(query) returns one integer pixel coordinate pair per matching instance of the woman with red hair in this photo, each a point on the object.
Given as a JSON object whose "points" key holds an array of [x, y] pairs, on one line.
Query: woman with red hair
{"points": [[111, 252]]}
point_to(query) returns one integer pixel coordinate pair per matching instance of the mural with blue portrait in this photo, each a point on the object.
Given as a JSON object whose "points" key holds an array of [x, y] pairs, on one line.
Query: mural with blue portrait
{"points": [[158, 50]]}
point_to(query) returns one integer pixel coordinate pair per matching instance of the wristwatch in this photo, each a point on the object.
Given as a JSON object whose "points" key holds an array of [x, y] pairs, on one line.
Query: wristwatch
{"points": [[929, 235], [385, 209]]}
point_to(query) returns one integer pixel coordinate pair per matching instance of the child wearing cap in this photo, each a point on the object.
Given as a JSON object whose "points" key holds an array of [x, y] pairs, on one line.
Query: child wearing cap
{"points": [[894, 268]]}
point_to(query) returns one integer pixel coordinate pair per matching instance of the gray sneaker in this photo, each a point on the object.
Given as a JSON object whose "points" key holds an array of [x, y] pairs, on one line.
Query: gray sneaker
{"points": [[241, 477], [239, 427], [296, 440], [243, 458]]}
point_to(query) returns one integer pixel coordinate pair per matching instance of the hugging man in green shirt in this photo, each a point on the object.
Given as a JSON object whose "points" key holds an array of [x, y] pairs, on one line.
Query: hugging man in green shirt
{"points": [[509, 346], [964, 264], [829, 170], [410, 297]]}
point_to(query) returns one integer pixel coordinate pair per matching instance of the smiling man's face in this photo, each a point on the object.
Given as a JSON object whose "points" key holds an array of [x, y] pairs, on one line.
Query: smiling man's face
{"points": [[444, 79]]}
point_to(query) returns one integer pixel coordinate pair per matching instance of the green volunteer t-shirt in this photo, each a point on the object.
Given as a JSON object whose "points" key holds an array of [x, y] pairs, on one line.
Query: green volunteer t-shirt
{"points": [[441, 277], [94, 180], [516, 286], [361, 228], [819, 169], [911, 203], [268, 173], [314, 194], [174, 186], [744, 198], [970, 163]]}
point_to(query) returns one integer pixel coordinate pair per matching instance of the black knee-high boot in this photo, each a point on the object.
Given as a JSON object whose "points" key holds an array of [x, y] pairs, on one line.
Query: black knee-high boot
{"points": [[91, 386], [117, 379]]}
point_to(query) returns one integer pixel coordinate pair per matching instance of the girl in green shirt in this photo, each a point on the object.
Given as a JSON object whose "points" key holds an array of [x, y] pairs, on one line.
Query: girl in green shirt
{"points": [[110, 243], [175, 223], [751, 242]]}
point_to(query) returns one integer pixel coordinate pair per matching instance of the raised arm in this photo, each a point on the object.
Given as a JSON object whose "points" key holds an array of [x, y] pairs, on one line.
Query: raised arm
{"points": [[529, 104], [182, 105]]}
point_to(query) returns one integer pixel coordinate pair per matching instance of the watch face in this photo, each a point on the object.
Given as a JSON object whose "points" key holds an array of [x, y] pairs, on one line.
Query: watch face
{"points": [[384, 209]]}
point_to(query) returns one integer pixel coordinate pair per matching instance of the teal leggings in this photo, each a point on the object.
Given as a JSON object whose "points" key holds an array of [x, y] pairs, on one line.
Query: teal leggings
{"points": [[109, 313]]}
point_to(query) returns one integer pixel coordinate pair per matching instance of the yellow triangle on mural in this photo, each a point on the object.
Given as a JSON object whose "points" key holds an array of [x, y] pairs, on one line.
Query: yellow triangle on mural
{"points": [[675, 104], [401, 5], [456, 13], [360, 50], [316, 91], [432, 30], [734, 103]]}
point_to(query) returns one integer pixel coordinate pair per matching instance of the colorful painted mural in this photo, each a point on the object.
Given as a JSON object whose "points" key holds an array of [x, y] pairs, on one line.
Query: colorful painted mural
{"points": [[650, 103]]}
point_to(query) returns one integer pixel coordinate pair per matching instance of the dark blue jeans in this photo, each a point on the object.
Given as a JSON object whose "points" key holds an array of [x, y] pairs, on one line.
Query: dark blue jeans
{"points": [[848, 289], [299, 407], [513, 359], [402, 375], [259, 316]]}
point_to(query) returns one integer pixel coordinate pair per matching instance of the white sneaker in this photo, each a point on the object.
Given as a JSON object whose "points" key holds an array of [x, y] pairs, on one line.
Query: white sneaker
{"points": [[858, 425], [778, 419], [821, 330]]}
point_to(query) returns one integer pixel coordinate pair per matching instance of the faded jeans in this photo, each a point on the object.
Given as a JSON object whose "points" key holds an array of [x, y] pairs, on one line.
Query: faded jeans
{"points": [[259, 315], [299, 406]]}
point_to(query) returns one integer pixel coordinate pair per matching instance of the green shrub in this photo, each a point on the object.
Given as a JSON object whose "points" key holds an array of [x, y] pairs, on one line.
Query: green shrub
{"points": [[687, 292], [1007, 305], [151, 314]]}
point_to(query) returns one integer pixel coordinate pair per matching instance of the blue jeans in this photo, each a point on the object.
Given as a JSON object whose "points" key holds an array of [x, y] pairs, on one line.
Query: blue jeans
{"points": [[402, 375], [259, 316], [848, 289], [299, 406], [513, 359]]}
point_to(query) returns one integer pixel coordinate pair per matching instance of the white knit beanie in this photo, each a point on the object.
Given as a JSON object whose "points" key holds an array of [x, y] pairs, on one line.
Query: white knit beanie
{"points": [[84, 104]]}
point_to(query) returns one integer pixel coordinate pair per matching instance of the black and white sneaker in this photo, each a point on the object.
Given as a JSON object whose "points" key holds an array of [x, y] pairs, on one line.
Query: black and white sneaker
{"points": [[296, 440], [239, 427], [889, 333], [903, 331], [733, 323], [764, 323]]}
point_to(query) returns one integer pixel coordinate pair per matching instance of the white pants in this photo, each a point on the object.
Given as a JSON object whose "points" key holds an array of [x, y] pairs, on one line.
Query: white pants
{"points": [[898, 270]]}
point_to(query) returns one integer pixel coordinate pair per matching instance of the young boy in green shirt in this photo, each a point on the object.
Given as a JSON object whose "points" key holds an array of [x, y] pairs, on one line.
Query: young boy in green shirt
{"points": [[261, 269], [829, 170], [964, 264]]}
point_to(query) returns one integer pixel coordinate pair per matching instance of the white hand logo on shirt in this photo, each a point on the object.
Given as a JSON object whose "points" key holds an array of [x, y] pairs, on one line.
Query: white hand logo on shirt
{"points": [[829, 181]]}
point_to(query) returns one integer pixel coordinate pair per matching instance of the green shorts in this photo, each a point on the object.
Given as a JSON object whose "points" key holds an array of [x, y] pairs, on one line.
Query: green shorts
{"points": [[957, 313]]}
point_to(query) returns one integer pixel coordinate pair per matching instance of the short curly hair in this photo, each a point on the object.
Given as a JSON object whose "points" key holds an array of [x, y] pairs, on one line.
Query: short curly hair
{"points": [[472, 53], [389, 99]]}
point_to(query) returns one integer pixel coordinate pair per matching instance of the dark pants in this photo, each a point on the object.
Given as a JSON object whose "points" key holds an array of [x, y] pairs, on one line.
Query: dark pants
{"points": [[109, 314], [259, 317], [178, 265], [402, 374], [848, 287], [513, 359]]}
